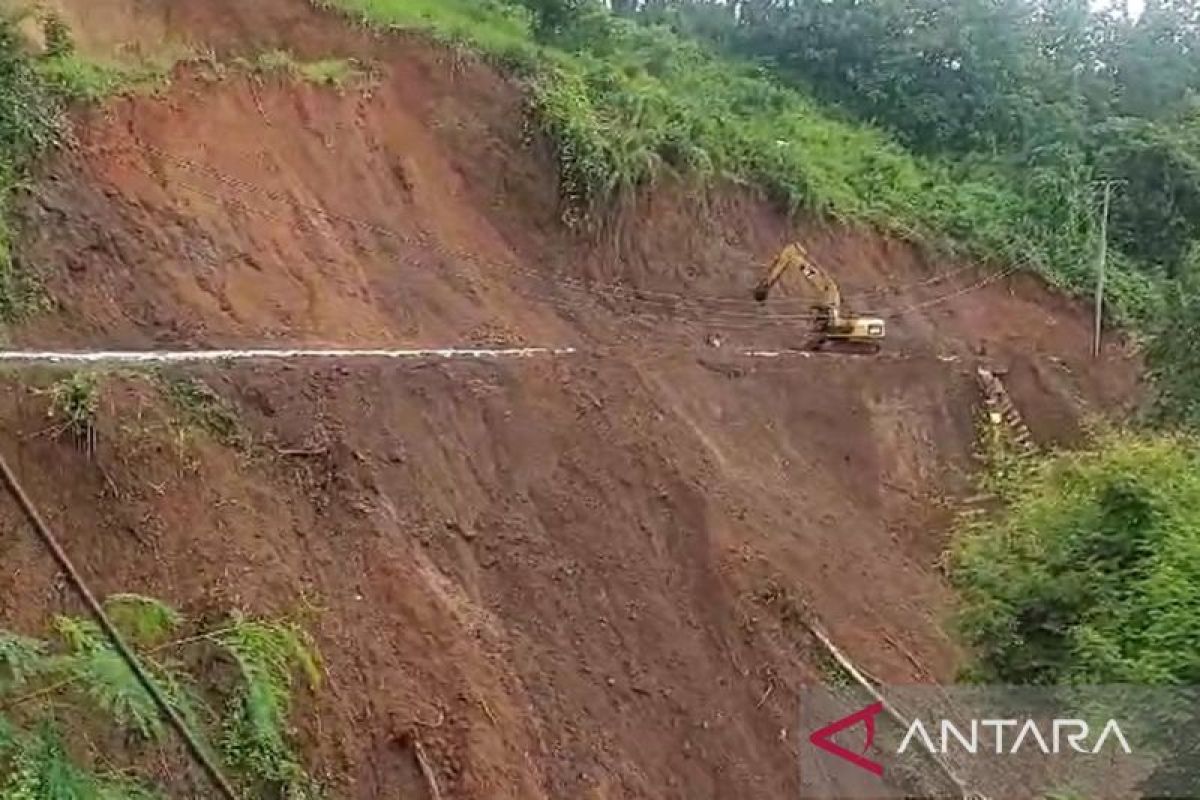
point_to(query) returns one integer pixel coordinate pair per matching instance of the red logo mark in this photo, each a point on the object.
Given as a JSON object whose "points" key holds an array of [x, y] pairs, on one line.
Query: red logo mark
{"points": [[824, 738]]}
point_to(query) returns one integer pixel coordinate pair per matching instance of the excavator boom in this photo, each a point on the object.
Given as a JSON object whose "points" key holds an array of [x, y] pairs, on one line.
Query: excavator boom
{"points": [[830, 324], [794, 256]]}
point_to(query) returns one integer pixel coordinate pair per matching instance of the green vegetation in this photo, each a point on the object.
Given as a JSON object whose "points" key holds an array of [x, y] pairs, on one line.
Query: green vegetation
{"points": [[1091, 575], [74, 678], [1172, 351], [74, 401], [203, 408], [39, 768], [78, 79], [74, 78], [625, 99], [335, 72], [495, 26], [255, 733], [29, 123]]}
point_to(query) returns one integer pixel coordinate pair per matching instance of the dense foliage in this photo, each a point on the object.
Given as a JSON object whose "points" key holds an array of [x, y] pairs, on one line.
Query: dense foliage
{"points": [[29, 122], [1028, 82], [987, 125], [1172, 350], [74, 680], [1091, 576], [1051, 95]]}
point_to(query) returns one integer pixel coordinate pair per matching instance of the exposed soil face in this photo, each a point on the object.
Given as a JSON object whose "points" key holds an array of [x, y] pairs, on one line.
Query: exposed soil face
{"points": [[235, 211], [591, 574], [570, 578]]}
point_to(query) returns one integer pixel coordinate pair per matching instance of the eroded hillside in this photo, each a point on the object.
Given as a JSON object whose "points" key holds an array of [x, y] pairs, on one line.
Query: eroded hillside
{"points": [[569, 577]]}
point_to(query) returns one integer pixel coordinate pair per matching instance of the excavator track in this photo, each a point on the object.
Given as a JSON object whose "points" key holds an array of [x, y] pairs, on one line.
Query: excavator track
{"points": [[846, 347]]}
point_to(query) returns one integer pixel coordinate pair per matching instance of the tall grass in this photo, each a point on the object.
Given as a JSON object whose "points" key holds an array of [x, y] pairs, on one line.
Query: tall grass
{"points": [[494, 26], [624, 102], [78, 79]]}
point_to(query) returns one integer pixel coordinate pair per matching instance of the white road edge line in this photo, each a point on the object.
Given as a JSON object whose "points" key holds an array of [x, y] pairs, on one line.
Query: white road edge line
{"points": [[269, 354], [183, 356]]}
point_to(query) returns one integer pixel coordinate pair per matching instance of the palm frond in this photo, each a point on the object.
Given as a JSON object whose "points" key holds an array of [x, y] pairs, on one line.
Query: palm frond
{"points": [[111, 685]]}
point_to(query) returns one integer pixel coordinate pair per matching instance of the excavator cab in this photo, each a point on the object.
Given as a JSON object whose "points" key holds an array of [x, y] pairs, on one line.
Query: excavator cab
{"points": [[830, 329], [850, 335], [861, 328]]}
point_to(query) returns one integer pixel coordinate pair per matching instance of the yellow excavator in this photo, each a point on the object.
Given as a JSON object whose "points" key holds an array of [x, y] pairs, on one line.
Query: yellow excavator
{"points": [[850, 333]]}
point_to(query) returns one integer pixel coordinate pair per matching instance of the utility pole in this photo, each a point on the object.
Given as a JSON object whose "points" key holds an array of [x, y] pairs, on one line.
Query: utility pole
{"points": [[1101, 263]]}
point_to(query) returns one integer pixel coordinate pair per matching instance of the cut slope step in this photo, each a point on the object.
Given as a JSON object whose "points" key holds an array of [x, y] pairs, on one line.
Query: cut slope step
{"points": [[576, 578]]}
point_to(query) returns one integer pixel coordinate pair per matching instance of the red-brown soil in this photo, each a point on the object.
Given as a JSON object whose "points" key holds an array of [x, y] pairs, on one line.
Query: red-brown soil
{"points": [[574, 577]]}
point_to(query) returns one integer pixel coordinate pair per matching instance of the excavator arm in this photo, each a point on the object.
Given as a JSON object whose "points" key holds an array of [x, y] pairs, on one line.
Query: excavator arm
{"points": [[828, 323], [828, 297]]}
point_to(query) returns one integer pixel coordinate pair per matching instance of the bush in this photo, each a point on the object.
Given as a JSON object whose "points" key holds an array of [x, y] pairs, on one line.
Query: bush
{"points": [[1093, 573], [30, 122]]}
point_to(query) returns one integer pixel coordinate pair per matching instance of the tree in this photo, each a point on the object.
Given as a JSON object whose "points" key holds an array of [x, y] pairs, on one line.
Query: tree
{"points": [[1091, 576], [1172, 354], [1157, 61], [1092, 573], [553, 15]]}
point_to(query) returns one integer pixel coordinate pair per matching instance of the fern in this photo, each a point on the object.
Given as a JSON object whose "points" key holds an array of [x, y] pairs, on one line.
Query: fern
{"points": [[256, 735], [97, 670], [182, 695], [270, 657], [21, 658], [146, 621], [42, 770]]}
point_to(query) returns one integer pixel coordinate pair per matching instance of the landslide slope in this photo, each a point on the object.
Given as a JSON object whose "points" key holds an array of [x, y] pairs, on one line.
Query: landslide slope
{"points": [[568, 577]]}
